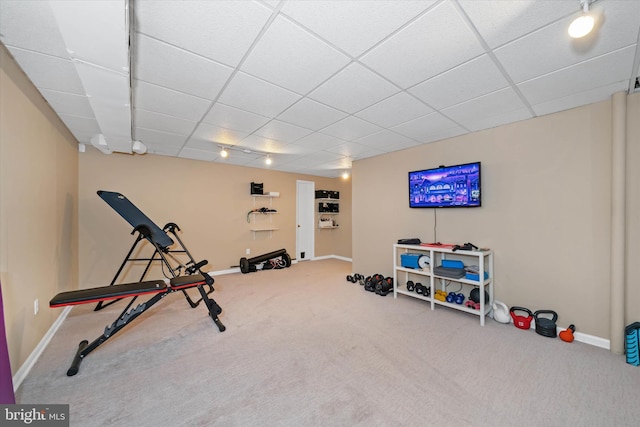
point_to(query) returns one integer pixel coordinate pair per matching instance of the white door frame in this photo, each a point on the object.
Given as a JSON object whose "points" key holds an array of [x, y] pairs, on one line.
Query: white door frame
{"points": [[305, 221]]}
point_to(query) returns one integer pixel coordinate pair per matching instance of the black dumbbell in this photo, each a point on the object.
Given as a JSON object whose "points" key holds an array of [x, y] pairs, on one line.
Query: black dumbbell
{"points": [[422, 290], [411, 286]]}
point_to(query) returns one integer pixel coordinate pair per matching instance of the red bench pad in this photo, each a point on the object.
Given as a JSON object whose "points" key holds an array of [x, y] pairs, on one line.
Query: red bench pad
{"points": [[104, 293]]}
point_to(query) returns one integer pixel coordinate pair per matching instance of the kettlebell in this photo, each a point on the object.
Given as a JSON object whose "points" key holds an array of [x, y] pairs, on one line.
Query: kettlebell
{"points": [[567, 334], [500, 312], [545, 326], [520, 321]]}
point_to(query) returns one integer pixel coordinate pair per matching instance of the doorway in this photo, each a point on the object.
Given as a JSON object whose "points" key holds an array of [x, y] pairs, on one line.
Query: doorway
{"points": [[305, 232]]}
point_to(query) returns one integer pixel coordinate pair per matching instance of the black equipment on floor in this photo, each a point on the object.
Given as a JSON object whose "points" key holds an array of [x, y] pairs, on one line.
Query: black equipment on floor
{"points": [[183, 273], [278, 259], [546, 326], [158, 288]]}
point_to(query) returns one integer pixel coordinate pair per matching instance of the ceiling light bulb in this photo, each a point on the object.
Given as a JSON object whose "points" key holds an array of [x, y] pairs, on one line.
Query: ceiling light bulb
{"points": [[345, 175], [224, 153], [268, 160], [582, 25]]}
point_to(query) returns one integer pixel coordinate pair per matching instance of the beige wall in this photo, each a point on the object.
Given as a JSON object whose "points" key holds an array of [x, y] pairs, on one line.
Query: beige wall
{"points": [[209, 202], [38, 210], [546, 210], [632, 295]]}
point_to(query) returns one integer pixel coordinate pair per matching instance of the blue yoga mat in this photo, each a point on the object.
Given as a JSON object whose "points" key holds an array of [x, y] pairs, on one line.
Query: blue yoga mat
{"points": [[6, 381]]}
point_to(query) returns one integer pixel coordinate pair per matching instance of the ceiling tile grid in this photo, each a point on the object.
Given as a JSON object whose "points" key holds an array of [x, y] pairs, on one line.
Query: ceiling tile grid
{"points": [[316, 84]]}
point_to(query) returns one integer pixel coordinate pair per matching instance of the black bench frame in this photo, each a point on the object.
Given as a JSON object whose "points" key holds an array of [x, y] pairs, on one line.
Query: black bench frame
{"points": [[157, 287], [183, 275]]}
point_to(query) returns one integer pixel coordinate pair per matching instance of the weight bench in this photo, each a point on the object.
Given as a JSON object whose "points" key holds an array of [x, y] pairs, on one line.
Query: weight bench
{"points": [[184, 273], [158, 288]]}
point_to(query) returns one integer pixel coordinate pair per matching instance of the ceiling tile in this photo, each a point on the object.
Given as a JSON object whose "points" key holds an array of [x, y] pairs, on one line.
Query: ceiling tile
{"points": [[260, 143], [233, 118], [282, 131], [83, 128], [494, 109], [528, 57], [162, 122], [467, 81], [408, 56], [218, 134], [353, 89], [239, 158], [354, 26], [318, 158], [160, 142], [500, 21], [68, 103], [317, 141], [48, 72], [201, 144], [95, 32], [170, 102], [607, 69], [166, 65], [207, 156], [220, 30], [428, 128], [386, 141], [257, 96], [394, 110], [31, 25], [311, 114], [355, 150], [351, 128], [304, 64], [581, 98]]}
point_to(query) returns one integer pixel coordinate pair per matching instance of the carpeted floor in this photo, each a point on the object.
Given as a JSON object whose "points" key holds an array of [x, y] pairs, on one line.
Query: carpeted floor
{"points": [[304, 347]]}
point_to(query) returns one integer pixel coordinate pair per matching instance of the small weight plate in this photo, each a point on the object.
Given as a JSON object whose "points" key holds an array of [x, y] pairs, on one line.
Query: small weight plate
{"points": [[424, 261]]}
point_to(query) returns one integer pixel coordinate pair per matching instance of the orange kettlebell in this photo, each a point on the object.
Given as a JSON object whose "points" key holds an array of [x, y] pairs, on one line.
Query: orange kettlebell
{"points": [[567, 334]]}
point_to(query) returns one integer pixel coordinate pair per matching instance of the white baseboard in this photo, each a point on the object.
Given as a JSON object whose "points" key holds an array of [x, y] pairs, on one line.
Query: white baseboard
{"points": [[35, 354], [318, 258], [592, 340]]}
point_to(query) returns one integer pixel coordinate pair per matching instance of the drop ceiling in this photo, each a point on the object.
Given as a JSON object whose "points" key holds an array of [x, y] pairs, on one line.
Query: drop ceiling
{"points": [[316, 85]]}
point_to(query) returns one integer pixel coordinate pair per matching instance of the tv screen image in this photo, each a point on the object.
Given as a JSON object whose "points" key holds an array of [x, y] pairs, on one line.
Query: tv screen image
{"points": [[445, 187]]}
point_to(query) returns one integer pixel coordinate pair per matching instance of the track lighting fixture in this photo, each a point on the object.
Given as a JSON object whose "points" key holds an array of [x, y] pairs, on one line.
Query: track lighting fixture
{"points": [[582, 25], [224, 153]]}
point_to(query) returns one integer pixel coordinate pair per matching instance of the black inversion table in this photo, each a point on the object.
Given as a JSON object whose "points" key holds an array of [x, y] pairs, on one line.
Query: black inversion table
{"points": [[184, 275]]}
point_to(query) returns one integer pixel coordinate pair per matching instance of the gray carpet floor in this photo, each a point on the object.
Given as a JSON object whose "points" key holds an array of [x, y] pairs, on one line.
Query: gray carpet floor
{"points": [[304, 347]]}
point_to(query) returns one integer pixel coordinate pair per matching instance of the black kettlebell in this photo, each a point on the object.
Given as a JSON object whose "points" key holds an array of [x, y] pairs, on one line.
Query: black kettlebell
{"points": [[545, 326]]}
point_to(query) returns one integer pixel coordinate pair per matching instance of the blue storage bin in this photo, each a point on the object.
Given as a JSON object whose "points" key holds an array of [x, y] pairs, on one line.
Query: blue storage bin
{"points": [[476, 277], [410, 260], [632, 342]]}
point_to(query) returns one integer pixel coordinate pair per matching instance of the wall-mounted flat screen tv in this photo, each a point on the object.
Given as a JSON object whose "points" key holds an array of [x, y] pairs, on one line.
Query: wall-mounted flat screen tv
{"points": [[455, 186]]}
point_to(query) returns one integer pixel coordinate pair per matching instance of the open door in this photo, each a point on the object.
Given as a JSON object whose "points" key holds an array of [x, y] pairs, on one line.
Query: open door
{"points": [[305, 231]]}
